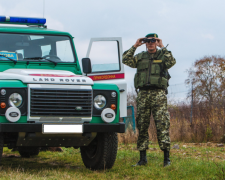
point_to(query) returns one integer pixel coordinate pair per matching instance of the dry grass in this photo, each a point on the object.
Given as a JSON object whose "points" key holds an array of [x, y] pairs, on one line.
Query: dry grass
{"points": [[208, 123]]}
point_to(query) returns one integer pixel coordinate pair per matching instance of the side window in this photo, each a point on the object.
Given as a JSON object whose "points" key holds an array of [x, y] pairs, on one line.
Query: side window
{"points": [[104, 56], [46, 50], [20, 54], [64, 51]]}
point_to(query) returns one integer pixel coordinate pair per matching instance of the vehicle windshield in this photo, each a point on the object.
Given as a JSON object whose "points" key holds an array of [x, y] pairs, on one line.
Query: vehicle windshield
{"points": [[29, 47]]}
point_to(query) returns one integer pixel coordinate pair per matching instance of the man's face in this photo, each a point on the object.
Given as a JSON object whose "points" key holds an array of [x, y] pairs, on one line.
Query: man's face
{"points": [[150, 45]]}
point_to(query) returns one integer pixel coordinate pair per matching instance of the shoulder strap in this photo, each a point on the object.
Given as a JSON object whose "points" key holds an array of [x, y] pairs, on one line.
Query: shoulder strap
{"points": [[140, 55]]}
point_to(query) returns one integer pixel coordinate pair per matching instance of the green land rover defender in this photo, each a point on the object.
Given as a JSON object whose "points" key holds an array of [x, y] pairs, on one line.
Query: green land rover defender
{"points": [[48, 101]]}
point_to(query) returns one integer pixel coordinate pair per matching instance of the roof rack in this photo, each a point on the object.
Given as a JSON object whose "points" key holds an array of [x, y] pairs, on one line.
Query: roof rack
{"points": [[23, 21]]}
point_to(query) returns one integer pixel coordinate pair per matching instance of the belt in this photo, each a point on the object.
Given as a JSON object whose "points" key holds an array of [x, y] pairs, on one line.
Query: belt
{"points": [[150, 88]]}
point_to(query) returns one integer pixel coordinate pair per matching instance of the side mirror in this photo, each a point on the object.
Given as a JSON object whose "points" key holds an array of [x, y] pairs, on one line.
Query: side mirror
{"points": [[86, 64]]}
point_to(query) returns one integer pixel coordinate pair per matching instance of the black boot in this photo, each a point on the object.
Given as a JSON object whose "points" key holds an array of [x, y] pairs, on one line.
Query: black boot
{"points": [[166, 158], [143, 159]]}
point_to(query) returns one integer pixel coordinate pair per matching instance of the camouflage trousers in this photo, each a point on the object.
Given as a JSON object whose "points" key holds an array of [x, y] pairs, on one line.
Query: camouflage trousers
{"points": [[154, 101]]}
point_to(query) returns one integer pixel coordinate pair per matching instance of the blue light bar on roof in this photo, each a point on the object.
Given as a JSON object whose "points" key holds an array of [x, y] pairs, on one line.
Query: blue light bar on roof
{"points": [[2, 18], [22, 20], [28, 20]]}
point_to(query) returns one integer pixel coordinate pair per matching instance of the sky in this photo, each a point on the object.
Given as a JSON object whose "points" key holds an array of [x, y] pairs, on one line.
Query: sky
{"points": [[192, 28]]}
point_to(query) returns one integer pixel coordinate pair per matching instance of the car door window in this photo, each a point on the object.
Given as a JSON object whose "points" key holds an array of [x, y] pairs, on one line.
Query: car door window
{"points": [[104, 56]]}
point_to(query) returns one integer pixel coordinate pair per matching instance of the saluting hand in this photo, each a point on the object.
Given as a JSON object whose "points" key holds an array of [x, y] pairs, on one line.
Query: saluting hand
{"points": [[139, 42]]}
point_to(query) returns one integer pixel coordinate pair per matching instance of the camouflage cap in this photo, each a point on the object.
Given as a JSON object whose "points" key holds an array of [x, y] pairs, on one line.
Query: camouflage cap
{"points": [[152, 35]]}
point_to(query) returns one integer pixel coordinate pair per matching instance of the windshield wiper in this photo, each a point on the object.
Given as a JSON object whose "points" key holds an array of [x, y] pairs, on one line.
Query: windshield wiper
{"points": [[41, 58], [9, 58]]}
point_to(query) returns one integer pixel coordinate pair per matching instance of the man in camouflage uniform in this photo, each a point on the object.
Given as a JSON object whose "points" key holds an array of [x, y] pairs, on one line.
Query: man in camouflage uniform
{"points": [[152, 81]]}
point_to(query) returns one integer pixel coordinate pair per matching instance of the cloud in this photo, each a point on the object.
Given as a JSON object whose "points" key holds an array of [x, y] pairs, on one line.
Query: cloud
{"points": [[2, 10], [54, 23], [178, 23], [26, 9], [164, 10], [207, 36]]}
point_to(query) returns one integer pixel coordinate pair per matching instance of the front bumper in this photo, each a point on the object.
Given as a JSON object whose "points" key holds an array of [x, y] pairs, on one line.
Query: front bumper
{"points": [[37, 127]]}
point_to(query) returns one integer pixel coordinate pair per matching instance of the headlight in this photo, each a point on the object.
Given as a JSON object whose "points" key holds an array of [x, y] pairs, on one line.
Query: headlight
{"points": [[15, 100], [99, 102]]}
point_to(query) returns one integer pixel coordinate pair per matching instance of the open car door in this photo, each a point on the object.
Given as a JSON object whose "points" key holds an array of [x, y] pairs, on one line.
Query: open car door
{"points": [[106, 60]]}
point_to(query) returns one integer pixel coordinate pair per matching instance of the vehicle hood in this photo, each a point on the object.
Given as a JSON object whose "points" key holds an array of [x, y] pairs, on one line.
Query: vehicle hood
{"points": [[40, 76]]}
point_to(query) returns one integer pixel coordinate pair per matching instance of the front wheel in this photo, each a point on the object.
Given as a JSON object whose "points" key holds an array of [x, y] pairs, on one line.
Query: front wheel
{"points": [[101, 152], [1, 145]]}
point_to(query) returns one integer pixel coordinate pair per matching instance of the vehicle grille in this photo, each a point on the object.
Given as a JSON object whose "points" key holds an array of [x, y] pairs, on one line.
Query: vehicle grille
{"points": [[61, 103]]}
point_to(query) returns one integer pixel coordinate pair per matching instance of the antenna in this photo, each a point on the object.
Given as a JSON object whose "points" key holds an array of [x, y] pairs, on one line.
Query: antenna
{"points": [[43, 8]]}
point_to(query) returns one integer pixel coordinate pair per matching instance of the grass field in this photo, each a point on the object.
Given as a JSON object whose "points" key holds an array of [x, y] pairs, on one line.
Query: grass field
{"points": [[191, 161]]}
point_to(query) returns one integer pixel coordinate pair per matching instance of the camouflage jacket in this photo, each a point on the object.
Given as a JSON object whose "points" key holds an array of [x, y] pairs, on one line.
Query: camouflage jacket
{"points": [[130, 60]]}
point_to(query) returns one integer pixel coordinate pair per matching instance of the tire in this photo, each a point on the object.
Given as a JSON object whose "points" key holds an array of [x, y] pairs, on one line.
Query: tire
{"points": [[113, 150], [101, 152], [28, 151], [1, 145]]}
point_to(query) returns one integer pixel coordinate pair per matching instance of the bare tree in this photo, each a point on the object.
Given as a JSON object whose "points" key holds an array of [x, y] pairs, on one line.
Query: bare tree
{"points": [[207, 76]]}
